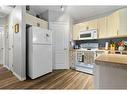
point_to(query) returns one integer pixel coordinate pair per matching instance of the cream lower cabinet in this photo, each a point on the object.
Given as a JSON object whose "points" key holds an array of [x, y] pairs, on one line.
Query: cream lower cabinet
{"points": [[34, 21], [72, 58], [113, 25], [102, 27]]}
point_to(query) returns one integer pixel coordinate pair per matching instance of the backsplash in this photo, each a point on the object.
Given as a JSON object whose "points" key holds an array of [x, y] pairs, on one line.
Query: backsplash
{"points": [[101, 41]]}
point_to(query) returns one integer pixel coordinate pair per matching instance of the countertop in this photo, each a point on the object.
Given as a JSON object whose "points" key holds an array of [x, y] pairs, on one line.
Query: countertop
{"points": [[112, 59]]}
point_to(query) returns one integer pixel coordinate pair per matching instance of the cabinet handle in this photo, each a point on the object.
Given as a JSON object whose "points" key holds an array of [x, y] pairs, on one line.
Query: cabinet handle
{"points": [[65, 48], [38, 24], [117, 32], [77, 37], [98, 32], [87, 28]]}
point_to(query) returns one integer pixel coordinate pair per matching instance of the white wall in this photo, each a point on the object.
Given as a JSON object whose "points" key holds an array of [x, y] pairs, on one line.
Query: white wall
{"points": [[19, 53], [45, 15], [92, 18], [3, 21]]}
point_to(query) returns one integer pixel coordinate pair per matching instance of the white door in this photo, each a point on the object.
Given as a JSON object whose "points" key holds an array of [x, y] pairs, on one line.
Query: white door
{"points": [[10, 48], [42, 60], [8, 41], [7, 49], [1, 45], [60, 44]]}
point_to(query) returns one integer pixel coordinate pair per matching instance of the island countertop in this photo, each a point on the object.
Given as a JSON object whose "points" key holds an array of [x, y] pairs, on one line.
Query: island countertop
{"points": [[118, 60]]}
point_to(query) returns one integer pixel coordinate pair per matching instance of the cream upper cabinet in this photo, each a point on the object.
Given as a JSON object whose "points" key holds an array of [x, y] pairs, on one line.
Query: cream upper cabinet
{"points": [[32, 20], [123, 22], [113, 24], [83, 26], [77, 28], [102, 27], [75, 32], [92, 24]]}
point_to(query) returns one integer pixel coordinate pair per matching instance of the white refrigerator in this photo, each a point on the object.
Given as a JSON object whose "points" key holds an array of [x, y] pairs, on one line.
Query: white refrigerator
{"points": [[39, 52]]}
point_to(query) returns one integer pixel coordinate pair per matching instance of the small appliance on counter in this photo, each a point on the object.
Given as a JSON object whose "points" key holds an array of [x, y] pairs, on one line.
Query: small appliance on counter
{"points": [[106, 45], [76, 46]]}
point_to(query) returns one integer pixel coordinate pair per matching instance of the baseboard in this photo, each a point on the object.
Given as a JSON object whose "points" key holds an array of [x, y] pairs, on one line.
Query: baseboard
{"points": [[6, 67], [20, 78], [60, 66]]}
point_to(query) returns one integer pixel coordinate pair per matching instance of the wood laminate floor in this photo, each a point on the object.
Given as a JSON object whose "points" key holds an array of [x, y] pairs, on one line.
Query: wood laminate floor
{"points": [[58, 79]]}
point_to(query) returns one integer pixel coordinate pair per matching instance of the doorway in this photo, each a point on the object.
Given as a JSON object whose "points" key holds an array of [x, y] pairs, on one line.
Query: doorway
{"points": [[1, 45], [6, 43]]}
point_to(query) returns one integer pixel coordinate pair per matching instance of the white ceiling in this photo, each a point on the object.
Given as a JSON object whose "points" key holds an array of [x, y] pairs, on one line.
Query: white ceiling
{"points": [[5, 10], [79, 12], [84, 12]]}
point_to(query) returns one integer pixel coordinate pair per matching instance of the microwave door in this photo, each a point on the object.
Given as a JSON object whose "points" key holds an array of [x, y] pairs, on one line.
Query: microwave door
{"points": [[86, 36]]}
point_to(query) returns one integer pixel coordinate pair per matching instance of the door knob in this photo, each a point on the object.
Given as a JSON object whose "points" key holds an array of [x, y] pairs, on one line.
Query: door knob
{"points": [[47, 35], [65, 48]]}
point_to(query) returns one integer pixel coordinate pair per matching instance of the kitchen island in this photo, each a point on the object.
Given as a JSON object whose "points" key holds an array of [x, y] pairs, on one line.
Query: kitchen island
{"points": [[110, 71]]}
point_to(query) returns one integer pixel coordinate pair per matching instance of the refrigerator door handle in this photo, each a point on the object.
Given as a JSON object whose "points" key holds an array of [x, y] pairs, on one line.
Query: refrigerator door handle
{"points": [[47, 35], [65, 48]]}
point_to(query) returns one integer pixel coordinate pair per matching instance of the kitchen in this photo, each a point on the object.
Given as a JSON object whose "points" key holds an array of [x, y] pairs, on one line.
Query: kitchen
{"points": [[98, 41], [79, 42]]}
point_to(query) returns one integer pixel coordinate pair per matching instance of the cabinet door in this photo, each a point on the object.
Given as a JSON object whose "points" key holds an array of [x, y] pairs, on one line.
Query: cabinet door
{"points": [[84, 26], [92, 24], [77, 28], [102, 27], [34, 21], [42, 23], [75, 34], [113, 24], [123, 22], [72, 58]]}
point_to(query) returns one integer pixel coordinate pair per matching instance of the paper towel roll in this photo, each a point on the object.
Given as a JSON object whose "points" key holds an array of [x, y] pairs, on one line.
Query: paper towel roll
{"points": [[106, 45]]}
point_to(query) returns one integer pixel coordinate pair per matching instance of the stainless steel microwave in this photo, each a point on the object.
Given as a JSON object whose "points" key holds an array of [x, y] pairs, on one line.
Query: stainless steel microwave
{"points": [[88, 34]]}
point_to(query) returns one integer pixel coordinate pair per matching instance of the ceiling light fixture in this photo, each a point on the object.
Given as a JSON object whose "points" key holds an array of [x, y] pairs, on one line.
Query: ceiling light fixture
{"points": [[62, 8]]}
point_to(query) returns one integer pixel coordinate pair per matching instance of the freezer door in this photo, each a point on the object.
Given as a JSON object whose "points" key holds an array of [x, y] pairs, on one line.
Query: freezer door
{"points": [[41, 36], [42, 60]]}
